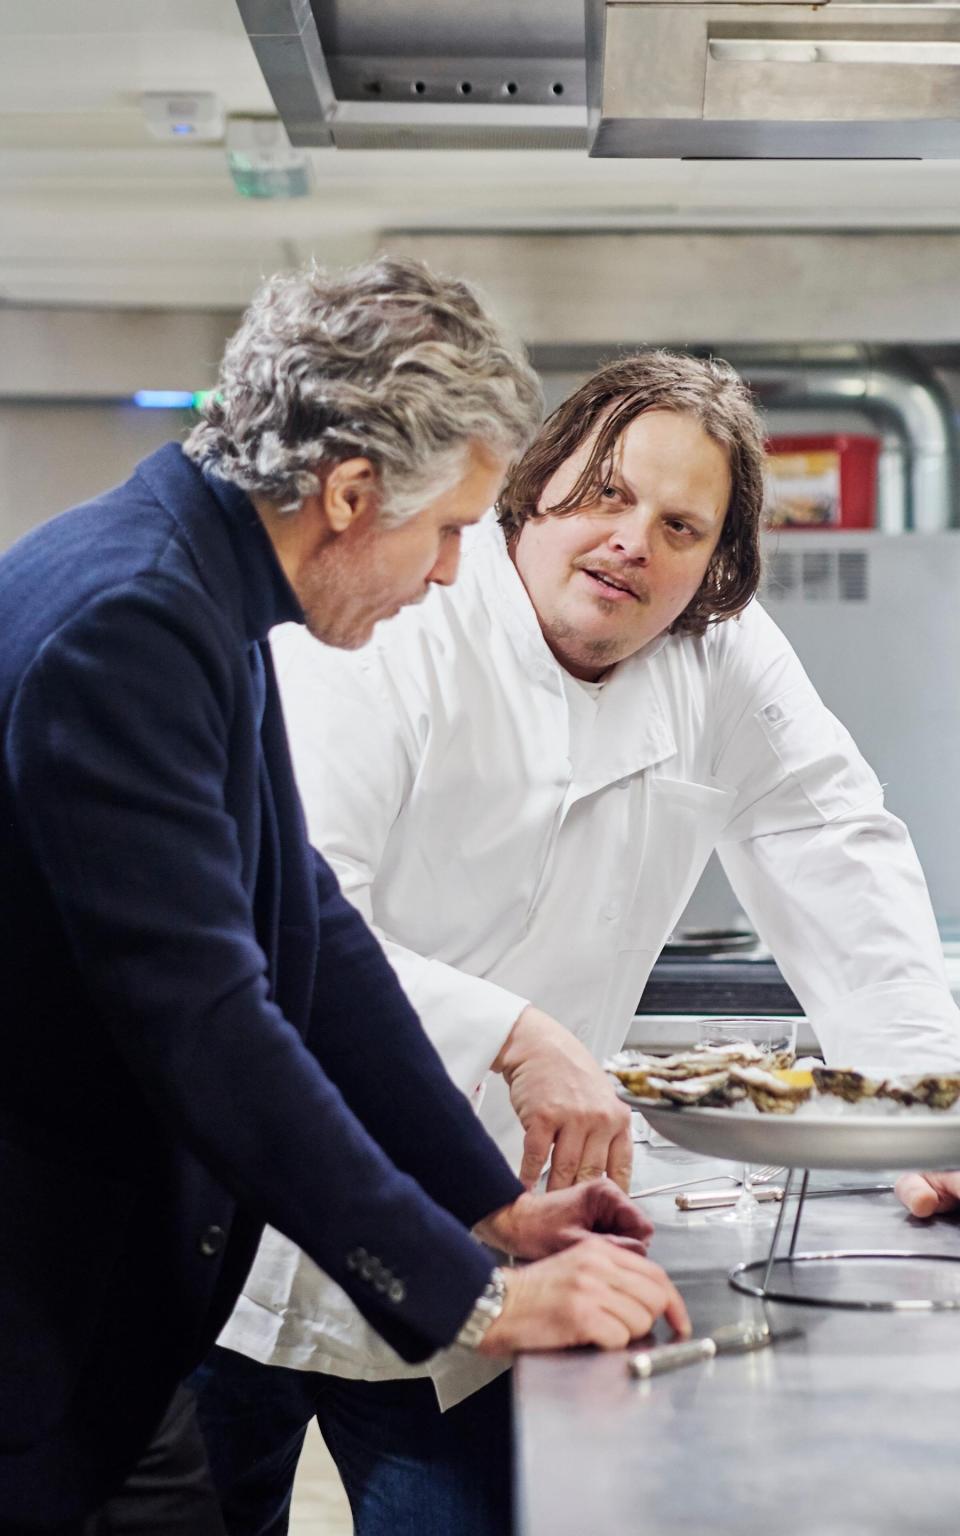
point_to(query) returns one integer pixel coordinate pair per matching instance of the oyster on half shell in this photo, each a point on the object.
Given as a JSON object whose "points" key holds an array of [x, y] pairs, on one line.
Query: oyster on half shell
{"points": [[772, 1093], [937, 1090], [712, 1090], [846, 1084]]}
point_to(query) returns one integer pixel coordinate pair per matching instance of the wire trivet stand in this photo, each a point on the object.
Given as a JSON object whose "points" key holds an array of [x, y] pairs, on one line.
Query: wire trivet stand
{"points": [[742, 1275]]}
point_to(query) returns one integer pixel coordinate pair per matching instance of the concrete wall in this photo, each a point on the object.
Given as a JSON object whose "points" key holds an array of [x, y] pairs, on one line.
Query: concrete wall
{"points": [[103, 353], [52, 456], [67, 427], [741, 287]]}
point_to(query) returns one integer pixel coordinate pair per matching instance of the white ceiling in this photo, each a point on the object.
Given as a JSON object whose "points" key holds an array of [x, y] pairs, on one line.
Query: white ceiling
{"points": [[94, 211]]}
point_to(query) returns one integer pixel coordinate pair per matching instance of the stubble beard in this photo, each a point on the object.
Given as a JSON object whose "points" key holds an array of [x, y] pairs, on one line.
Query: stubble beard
{"points": [[333, 607], [597, 652]]}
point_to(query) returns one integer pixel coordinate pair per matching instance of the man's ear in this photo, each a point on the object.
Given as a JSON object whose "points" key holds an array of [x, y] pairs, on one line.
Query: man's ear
{"points": [[350, 490]]}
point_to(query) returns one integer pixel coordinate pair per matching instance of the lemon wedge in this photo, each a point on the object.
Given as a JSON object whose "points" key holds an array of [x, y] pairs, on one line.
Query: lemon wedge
{"points": [[794, 1077]]}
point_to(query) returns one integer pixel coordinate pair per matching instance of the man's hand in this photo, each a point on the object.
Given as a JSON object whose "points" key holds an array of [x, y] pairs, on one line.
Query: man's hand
{"points": [[929, 1194], [537, 1225], [564, 1101], [594, 1293]]}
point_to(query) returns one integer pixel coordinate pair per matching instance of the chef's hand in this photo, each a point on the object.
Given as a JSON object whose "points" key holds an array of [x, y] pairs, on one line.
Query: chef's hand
{"points": [[929, 1194], [564, 1101], [593, 1293], [537, 1225]]}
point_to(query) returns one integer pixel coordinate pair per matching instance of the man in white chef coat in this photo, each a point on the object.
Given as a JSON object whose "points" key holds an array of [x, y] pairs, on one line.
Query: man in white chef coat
{"points": [[519, 783]]}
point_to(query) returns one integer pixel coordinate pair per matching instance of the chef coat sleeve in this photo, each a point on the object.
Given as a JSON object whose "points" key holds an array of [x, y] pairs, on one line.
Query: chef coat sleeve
{"points": [[355, 748], [827, 875], [118, 756]]}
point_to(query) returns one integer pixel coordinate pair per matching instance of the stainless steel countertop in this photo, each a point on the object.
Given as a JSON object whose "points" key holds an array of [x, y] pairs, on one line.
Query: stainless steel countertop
{"points": [[851, 1430]]}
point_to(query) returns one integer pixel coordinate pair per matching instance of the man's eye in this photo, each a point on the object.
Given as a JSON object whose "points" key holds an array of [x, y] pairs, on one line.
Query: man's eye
{"points": [[609, 492]]}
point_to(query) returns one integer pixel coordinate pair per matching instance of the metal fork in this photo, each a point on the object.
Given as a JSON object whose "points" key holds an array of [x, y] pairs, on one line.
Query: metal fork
{"points": [[766, 1173], [759, 1176]]}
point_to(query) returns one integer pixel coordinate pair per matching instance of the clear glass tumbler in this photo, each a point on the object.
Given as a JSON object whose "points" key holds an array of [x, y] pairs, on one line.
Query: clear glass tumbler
{"points": [[777, 1039]]}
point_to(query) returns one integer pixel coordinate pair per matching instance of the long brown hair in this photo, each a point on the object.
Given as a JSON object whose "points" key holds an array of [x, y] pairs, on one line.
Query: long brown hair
{"points": [[707, 389]]}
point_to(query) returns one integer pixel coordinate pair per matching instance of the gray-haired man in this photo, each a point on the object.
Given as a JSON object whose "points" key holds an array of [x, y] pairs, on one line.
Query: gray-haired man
{"points": [[210, 1036]]}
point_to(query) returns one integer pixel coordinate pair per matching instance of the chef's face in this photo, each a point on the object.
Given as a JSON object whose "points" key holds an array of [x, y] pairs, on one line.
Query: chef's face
{"points": [[366, 572], [611, 576]]}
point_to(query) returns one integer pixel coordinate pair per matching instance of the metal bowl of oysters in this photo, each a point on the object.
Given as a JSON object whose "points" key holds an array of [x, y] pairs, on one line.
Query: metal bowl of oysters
{"points": [[737, 1103]]}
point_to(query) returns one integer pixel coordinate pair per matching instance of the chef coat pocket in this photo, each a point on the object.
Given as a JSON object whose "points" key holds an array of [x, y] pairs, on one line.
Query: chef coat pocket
{"points": [[683, 821], [819, 753], [61, 1235], [709, 803]]}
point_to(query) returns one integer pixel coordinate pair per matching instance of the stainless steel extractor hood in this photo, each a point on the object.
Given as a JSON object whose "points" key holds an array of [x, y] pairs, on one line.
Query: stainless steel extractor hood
{"points": [[424, 74], [847, 79]]}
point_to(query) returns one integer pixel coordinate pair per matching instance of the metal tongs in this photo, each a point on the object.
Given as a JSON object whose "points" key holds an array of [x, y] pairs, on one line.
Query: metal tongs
{"points": [[731, 1339]]}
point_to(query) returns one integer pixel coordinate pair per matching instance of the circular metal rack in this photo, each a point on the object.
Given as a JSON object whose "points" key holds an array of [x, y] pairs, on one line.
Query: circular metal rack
{"points": [[742, 1275]]}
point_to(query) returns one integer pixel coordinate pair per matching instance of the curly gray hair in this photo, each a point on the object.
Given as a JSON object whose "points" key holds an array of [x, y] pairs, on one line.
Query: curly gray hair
{"points": [[387, 361]]}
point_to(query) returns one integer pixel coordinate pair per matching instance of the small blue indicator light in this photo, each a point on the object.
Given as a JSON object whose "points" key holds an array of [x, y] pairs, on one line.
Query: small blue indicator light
{"points": [[164, 399], [183, 127]]}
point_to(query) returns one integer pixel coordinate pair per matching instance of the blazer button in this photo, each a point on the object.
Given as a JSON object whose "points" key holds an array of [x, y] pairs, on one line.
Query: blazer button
{"points": [[212, 1241], [356, 1257], [397, 1292]]}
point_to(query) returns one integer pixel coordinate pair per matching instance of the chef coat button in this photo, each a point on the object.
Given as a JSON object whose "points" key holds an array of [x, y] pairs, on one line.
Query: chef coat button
{"points": [[610, 912], [212, 1241], [623, 784], [773, 713], [397, 1292]]}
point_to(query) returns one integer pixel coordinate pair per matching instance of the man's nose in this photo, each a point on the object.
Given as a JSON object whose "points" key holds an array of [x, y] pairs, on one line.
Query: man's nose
{"points": [[447, 564], [630, 535]]}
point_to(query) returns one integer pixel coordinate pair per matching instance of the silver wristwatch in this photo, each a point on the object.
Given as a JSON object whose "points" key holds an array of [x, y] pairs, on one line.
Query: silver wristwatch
{"points": [[487, 1309]]}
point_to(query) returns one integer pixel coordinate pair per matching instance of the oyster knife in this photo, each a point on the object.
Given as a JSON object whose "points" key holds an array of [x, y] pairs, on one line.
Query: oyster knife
{"points": [[731, 1339]]}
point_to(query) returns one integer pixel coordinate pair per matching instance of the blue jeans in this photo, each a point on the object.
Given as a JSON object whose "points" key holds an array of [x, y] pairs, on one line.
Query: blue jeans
{"points": [[408, 1469]]}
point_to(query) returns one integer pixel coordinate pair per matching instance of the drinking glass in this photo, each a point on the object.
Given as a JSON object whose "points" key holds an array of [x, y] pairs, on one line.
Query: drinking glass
{"points": [[772, 1036]]}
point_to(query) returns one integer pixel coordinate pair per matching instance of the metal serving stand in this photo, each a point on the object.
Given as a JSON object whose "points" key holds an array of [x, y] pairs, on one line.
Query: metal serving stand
{"points": [[854, 1279], [740, 1274]]}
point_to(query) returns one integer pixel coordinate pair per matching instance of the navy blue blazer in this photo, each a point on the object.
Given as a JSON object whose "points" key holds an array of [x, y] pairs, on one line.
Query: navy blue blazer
{"points": [[199, 1033]]}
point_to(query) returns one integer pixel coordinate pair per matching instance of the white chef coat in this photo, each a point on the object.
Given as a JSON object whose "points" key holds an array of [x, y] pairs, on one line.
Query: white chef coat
{"points": [[513, 836]]}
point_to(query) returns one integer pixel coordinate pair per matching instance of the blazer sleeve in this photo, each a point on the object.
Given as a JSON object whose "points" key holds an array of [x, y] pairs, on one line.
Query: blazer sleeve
{"points": [[118, 755]]}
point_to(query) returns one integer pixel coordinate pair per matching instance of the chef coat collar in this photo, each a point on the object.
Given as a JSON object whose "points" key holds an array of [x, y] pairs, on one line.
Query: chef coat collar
{"points": [[632, 729]]}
